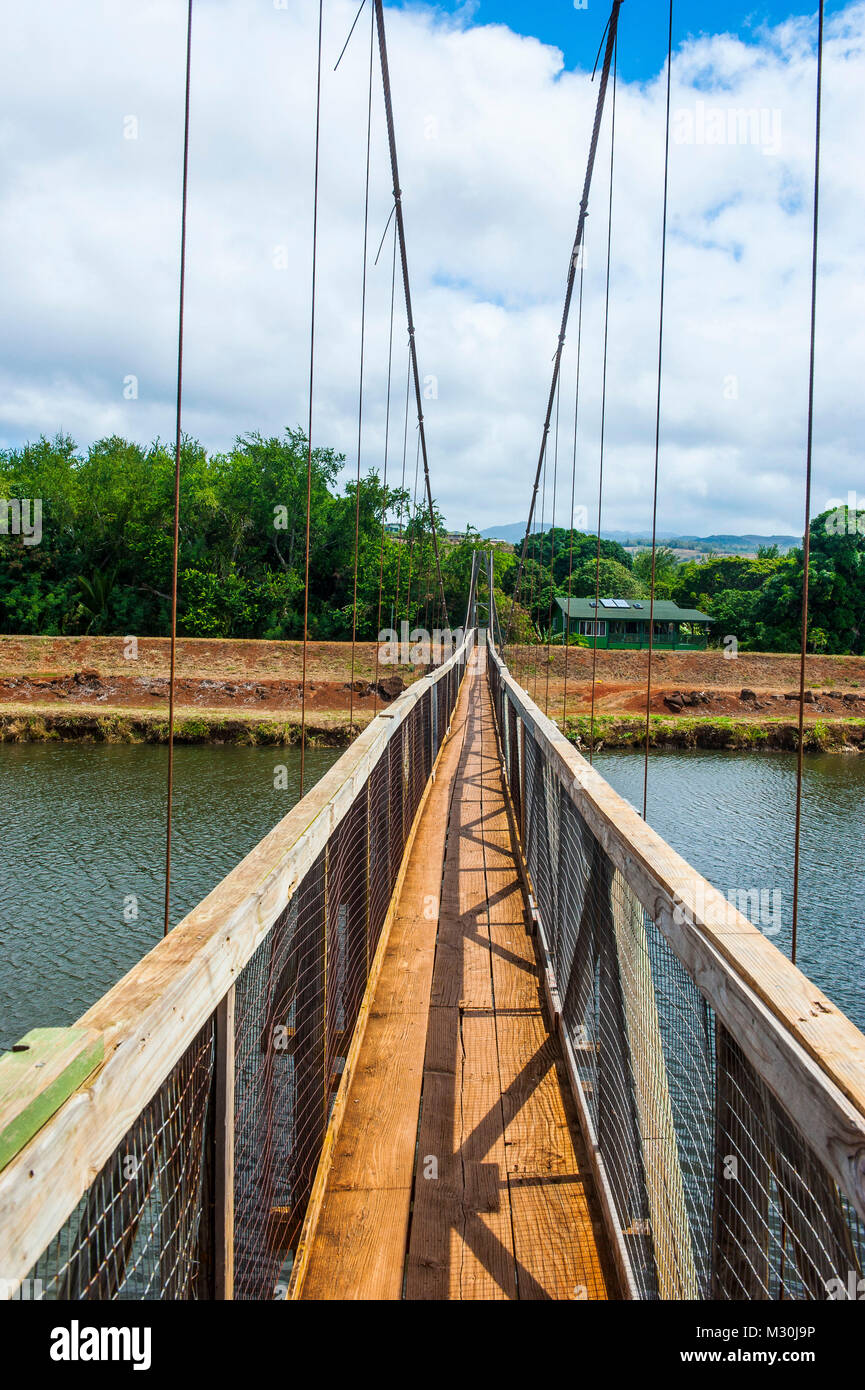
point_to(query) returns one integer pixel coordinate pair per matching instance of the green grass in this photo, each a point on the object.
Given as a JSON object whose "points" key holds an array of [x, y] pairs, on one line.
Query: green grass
{"points": [[714, 731]]}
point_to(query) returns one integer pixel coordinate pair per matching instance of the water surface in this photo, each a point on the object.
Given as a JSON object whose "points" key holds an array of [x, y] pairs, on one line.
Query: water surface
{"points": [[82, 828], [732, 815]]}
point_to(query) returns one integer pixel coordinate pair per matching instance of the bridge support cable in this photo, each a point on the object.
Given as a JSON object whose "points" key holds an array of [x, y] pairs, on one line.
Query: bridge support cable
{"points": [[360, 378], [177, 444], [658, 411], [311, 384], [596, 622], [397, 195], [806, 552], [552, 550], [384, 477], [397, 591], [612, 30], [414, 525], [567, 640]]}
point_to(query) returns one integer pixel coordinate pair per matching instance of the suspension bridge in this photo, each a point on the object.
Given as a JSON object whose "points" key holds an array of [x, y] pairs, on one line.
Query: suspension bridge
{"points": [[461, 1026]]}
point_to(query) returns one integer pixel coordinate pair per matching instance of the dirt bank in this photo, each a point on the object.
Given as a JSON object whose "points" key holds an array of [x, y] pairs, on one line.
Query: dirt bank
{"points": [[45, 723], [755, 687], [255, 678], [822, 736], [113, 689]]}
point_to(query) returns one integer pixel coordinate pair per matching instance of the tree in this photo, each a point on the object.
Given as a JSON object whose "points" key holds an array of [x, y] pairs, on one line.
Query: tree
{"points": [[666, 566]]}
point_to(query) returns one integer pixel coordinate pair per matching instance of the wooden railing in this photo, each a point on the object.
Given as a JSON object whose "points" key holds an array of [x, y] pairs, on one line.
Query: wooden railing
{"points": [[182, 1165], [722, 1093]]}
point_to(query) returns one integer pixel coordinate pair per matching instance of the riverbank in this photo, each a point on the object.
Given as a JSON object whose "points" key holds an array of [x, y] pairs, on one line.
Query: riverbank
{"points": [[249, 693], [47, 723], [718, 733]]}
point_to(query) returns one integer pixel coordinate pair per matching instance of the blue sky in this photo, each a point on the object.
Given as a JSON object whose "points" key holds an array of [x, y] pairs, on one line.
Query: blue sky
{"points": [[642, 26]]}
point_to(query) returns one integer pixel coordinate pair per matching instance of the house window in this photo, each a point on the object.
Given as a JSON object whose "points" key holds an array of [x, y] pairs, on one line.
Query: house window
{"points": [[591, 627]]}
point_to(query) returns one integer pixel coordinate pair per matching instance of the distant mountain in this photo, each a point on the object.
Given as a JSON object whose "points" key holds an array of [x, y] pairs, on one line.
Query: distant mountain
{"points": [[722, 544]]}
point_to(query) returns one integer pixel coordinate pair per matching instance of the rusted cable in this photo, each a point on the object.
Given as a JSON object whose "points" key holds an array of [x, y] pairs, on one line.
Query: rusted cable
{"points": [[806, 555], [658, 413], [177, 444]]}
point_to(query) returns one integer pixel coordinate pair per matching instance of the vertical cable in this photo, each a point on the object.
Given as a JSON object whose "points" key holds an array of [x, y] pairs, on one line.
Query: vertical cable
{"points": [[311, 381], [360, 387], [384, 479], [540, 571], [806, 557], [177, 442], [401, 503], [573, 496], [596, 622], [658, 412], [414, 527], [553, 547]]}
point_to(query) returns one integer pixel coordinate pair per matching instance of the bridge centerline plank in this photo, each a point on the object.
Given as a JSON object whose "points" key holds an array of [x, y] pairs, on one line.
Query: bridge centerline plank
{"points": [[457, 1172]]}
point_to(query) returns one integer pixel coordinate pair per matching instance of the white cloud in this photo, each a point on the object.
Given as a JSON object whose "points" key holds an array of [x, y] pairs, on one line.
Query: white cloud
{"points": [[492, 139]]}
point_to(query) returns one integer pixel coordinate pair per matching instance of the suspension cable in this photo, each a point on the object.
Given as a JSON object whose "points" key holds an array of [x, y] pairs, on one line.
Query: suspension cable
{"points": [[573, 492], [540, 568], [397, 195], [384, 478], [569, 287], [311, 383], [402, 491], [553, 548], [414, 528], [360, 384], [596, 622], [177, 442], [658, 412], [806, 556]]}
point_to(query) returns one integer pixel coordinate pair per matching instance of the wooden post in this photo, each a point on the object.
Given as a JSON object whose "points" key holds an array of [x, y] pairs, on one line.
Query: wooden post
{"points": [[224, 1147]]}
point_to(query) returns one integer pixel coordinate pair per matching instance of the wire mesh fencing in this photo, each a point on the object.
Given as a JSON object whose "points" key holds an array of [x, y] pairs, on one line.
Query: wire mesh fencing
{"points": [[205, 1195], [137, 1232], [717, 1192]]}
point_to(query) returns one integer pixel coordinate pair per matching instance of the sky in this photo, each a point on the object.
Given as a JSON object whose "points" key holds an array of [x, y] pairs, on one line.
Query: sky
{"points": [[493, 125], [575, 28]]}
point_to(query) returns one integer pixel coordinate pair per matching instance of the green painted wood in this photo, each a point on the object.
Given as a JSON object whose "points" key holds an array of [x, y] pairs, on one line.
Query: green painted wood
{"points": [[37, 1076]]}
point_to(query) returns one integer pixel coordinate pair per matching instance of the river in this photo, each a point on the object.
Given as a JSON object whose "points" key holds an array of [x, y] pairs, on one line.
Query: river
{"points": [[83, 833], [82, 830]]}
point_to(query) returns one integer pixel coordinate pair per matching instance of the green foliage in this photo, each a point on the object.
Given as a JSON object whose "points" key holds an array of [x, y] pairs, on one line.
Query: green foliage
{"points": [[104, 563]]}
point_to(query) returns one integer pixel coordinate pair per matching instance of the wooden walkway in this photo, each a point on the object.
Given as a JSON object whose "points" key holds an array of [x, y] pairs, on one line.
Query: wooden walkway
{"points": [[458, 1171]]}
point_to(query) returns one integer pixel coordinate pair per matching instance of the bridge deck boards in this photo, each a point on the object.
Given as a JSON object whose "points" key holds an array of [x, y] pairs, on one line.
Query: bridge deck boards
{"points": [[459, 1172]]}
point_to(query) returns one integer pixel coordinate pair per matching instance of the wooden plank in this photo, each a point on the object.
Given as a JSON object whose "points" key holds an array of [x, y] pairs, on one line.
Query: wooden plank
{"points": [[367, 1167], [38, 1076], [507, 1215], [559, 1245], [807, 1052], [354, 1248]]}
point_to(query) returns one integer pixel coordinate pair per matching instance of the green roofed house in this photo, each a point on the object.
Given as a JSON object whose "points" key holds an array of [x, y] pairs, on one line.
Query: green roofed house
{"points": [[624, 622]]}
